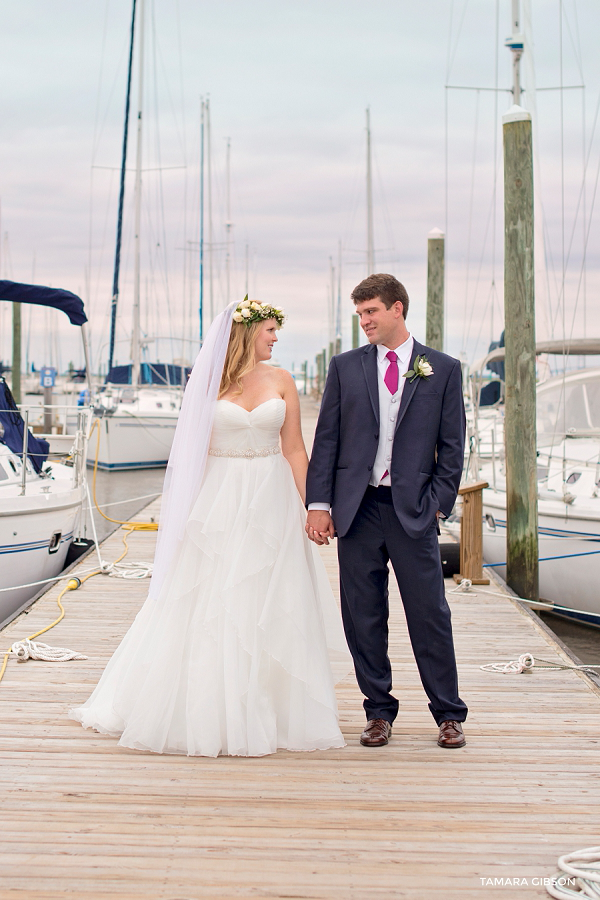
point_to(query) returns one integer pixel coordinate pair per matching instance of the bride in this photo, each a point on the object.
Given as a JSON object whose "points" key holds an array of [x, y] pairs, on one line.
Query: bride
{"points": [[238, 645]]}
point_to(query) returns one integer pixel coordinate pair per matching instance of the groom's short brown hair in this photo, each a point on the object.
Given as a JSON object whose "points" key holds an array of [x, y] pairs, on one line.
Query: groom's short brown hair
{"points": [[386, 287]]}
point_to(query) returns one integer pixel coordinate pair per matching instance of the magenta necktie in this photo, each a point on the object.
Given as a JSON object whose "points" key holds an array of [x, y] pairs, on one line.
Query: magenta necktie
{"points": [[391, 376], [391, 381]]}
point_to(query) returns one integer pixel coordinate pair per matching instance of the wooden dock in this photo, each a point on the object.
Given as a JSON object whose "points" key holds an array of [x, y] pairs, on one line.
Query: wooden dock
{"points": [[83, 817]]}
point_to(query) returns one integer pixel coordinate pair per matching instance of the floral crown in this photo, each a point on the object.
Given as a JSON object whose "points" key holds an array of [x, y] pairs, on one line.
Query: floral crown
{"points": [[249, 311]]}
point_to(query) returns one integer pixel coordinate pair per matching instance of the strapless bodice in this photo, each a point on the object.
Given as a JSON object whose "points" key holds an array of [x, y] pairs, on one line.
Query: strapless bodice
{"points": [[236, 429]]}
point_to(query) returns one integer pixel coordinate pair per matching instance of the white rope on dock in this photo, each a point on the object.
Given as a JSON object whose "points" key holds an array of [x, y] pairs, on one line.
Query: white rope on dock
{"points": [[466, 587], [131, 571], [24, 650], [526, 663], [127, 500], [579, 875]]}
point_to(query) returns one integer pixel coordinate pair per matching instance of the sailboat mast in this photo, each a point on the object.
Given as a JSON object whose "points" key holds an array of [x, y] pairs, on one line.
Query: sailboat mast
{"points": [[201, 301], [338, 309], [209, 211], [115, 290], [332, 329], [228, 224], [370, 250], [135, 336], [515, 44]]}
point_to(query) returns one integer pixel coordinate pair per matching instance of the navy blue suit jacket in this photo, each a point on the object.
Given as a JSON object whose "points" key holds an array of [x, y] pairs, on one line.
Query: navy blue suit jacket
{"points": [[428, 448]]}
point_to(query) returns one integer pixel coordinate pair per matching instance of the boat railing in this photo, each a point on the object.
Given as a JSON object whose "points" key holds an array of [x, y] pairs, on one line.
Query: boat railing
{"points": [[63, 447]]}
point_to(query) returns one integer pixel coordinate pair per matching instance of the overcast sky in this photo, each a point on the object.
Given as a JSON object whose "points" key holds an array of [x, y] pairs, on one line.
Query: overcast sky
{"points": [[289, 83]]}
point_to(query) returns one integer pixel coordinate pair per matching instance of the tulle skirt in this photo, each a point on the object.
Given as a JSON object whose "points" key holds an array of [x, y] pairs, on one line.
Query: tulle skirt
{"points": [[239, 653]]}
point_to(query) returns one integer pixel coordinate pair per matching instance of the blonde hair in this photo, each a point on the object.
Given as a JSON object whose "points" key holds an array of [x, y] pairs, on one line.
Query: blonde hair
{"points": [[240, 358]]}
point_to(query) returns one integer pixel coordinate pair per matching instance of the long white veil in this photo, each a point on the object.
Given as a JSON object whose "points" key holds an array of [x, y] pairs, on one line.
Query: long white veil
{"points": [[189, 451]]}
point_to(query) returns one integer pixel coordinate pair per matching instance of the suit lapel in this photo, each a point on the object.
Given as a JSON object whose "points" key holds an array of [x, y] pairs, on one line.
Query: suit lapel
{"points": [[409, 388], [369, 363]]}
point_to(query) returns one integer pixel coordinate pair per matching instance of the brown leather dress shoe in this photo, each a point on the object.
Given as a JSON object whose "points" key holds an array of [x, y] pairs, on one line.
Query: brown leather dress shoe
{"points": [[451, 735], [376, 734]]}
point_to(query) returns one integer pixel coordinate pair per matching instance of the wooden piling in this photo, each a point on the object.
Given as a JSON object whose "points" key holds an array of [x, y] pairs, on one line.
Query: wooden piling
{"points": [[354, 331], [519, 314], [16, 353], [434, 332]]}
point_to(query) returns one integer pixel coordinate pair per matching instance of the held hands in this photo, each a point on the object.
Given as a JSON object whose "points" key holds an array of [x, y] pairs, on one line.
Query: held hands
{"points": [[319, 526]]}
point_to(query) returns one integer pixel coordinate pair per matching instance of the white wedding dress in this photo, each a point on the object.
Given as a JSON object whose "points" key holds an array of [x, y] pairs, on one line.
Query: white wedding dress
{"points": [[239, 653]]}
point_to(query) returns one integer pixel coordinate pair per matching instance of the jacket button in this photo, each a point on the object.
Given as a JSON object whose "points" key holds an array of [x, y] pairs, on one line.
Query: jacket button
{"points": [[370, 468], [376, 436]]}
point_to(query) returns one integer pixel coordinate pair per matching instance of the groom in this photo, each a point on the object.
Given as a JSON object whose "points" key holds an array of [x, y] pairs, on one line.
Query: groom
{"points": [[386, 463]]}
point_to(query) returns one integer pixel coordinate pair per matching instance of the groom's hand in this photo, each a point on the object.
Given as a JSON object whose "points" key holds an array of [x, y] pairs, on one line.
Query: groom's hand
{"points": [[319, 526]]}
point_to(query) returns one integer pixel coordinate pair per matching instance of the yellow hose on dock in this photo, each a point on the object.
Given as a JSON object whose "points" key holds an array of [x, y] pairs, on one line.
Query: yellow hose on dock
{"points": [[74, 583]]}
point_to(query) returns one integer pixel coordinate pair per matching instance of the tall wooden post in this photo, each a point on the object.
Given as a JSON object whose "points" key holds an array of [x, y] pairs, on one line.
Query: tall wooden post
{"points": [[434, 333], [354, 331], [16, 353], [519, 316]]}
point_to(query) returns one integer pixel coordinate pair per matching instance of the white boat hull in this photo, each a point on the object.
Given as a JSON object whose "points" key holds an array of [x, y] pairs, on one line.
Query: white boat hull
{"points": [[133, 441], [27, 530], [569, 550]]}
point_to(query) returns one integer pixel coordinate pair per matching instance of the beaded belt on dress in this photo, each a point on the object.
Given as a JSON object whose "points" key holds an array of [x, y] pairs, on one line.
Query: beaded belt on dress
{"points": [[246, 454]]}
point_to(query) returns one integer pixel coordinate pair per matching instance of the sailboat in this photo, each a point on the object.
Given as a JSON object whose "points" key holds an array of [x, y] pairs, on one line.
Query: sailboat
{"points": [[42, 477], [139, 404]]}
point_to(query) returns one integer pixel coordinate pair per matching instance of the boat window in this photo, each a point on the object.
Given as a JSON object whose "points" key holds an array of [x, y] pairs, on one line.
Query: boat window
{"points": [[592, 392], [568, 409], [573, 477]]}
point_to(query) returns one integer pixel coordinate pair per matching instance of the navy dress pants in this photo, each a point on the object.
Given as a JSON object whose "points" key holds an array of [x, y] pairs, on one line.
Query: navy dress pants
{"points": [[375, 538]]}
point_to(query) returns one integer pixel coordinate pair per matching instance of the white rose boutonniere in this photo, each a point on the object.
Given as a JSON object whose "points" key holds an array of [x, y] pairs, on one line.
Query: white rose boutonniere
{"points": [[421, 369]]}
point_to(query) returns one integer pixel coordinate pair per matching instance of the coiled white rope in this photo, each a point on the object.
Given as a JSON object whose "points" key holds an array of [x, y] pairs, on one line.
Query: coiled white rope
{"points": [[463, 587], [526, 663], [132, 570], [24, 650], [581, 880]]}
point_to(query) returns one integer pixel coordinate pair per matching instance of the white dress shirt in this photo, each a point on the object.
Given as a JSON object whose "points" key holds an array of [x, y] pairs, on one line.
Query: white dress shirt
{"points": [[389, 404]]}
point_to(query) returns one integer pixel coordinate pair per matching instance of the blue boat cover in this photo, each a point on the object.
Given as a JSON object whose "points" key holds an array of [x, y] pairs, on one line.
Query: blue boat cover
{"points": [[497, 366], [69, 303], [151, 373], [13, 424]]}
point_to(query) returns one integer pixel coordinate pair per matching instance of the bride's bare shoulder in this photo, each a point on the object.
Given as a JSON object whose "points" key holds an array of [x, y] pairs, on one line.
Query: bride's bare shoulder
{"points": [[280, 379], [274, 373]]}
